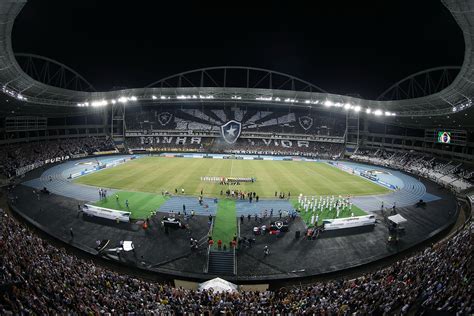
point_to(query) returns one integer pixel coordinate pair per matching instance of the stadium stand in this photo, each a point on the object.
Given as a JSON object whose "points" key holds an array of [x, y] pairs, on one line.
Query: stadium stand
{"points": [[267, 147], [42, 123], [200, 119], [252, 146], [454, 175], [38, 278], [18, 155], [144, 143]]}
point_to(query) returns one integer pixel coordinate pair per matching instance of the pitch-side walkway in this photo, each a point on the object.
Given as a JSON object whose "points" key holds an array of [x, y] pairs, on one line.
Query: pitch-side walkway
{"points": [[410, 190], [55, 179], [208, 207], [175, 203]]}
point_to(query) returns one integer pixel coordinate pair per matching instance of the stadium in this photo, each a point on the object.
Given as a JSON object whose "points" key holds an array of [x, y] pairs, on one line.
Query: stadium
{"points": [[234, 190]]}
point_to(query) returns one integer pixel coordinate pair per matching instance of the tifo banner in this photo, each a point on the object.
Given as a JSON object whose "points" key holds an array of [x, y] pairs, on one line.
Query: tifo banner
{"points": [[25, 169], [231, 130]]}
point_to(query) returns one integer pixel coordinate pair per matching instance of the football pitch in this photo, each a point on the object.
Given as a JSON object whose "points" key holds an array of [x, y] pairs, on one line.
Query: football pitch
{"points": [[141, 204], [158, 174]]}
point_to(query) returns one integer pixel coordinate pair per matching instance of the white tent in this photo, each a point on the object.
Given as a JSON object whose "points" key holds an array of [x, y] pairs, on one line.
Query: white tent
{"points": [[127, 245], [397, 219], [218, 285]]}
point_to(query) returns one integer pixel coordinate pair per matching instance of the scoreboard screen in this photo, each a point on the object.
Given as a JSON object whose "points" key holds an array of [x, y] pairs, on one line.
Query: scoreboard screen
{"points": [[444, 137]]}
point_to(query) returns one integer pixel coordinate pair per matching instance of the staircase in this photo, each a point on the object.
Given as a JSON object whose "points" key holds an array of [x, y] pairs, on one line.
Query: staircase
{"points": [[221, 262]]}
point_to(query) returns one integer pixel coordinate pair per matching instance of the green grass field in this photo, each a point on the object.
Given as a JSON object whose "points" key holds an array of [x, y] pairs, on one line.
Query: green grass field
{"points": [[225, 225], [155, 174], [140, 204]]}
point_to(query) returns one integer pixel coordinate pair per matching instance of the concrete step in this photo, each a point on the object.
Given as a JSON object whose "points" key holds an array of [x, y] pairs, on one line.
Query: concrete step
{"points": [[221, 262]]}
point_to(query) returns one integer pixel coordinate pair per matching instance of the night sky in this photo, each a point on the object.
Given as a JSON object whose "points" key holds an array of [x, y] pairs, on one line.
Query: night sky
{"points": [[346, 47]]}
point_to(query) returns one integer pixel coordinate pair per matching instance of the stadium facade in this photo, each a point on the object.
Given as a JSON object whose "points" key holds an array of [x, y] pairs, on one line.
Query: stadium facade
{"points": [[269, 101], [264, 98], [223, 112]]}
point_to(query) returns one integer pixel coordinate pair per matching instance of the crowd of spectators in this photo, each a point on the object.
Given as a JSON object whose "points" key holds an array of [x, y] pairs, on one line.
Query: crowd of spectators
{"points": [[38, 278], [254, 146], [274, 147], [449, 173], [136, 143], [17, 155]]}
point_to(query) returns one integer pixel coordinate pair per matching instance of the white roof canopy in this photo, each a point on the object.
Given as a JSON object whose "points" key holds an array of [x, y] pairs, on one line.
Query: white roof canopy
{"points": [[397, 219], [218, 285]]}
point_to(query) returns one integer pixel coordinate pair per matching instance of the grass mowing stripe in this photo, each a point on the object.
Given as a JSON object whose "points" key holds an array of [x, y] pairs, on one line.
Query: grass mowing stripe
{"points": [[140, 204], [225, 225], [292, 178], [153, 174]]}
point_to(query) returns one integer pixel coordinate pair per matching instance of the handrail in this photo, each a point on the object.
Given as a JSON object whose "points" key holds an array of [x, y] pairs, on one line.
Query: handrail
{"points": [[238, 228], [235, 263], [206, 268], [238, 238]]}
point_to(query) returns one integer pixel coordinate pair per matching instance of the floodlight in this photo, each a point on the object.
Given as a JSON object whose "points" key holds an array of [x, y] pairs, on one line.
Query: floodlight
{"points": [[328, 103]]}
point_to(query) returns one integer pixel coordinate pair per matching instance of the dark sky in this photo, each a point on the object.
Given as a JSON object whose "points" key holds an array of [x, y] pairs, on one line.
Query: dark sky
{"points": [[342, 46]]}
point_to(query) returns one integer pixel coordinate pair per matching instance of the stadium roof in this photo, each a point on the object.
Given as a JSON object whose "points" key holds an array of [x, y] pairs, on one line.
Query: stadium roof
{"points": [[270, 87]]}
